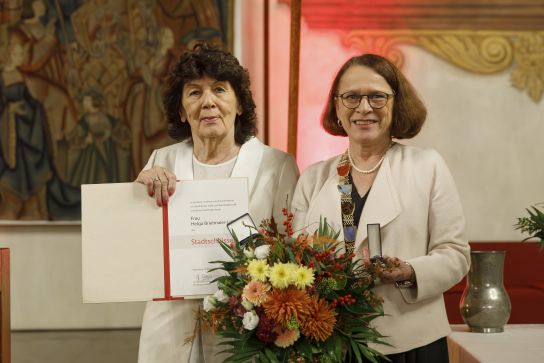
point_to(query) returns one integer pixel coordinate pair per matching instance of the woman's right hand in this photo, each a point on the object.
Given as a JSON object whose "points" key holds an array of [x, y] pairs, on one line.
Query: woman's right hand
{"points": [[160, 183]]}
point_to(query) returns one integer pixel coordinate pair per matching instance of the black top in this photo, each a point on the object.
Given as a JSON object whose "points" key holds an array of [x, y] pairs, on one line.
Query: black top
{"points": [[358, 202]]}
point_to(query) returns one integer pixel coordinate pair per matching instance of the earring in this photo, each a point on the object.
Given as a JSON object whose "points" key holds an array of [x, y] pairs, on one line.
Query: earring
{"points": [[339, 123], [181, 114]]}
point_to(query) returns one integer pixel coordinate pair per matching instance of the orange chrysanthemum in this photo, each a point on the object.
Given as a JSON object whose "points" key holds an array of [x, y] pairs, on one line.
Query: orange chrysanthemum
{"points": [[286, 304], [255, 292], [286, 337], [321, 320]]}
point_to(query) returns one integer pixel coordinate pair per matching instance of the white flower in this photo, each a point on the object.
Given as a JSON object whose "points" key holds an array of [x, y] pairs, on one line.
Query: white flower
{"points": [[247, 305], [209, 303], [221, 296], [248, 253], [251, 320], [262, 252]]}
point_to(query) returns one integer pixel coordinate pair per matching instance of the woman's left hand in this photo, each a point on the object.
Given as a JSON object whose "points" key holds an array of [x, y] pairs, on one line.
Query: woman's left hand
{"points": [[404, 271]]}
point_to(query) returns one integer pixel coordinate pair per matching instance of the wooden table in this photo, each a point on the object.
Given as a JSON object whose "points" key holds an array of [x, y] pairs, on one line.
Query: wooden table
{"points": [[518, 343]]}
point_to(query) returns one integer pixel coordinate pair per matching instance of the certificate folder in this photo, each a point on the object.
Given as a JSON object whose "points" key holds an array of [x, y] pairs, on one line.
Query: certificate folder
{"points": [[134, 251], [122, 244]]}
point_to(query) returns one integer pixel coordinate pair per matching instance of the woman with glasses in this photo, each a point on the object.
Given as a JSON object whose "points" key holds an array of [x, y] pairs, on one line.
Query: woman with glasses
{"points": [[408, 191]]}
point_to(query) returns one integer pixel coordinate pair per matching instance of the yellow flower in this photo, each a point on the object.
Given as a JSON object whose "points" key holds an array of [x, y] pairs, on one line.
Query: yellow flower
{"points": [[258, 269], [292, 267], [280, 275], [303, 276]]}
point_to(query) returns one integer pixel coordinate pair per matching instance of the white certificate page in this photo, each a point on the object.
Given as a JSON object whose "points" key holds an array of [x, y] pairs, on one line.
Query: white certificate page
{"points": [[198, 214]]}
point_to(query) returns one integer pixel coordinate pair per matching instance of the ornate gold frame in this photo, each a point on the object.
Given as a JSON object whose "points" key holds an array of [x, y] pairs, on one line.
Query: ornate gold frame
{"points": [[478, 51]]}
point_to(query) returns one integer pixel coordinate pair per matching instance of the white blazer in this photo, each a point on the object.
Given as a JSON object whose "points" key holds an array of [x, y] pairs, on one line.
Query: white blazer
{"points": [[415, 201], [272, 176]]}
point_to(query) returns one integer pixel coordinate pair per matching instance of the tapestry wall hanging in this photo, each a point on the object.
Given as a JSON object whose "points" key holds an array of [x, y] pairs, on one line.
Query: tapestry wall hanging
{"points": [[80, 92]]}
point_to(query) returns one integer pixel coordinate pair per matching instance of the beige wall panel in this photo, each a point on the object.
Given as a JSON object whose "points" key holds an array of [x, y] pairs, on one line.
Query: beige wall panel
{"points": [[490, 135], [46, 282]]}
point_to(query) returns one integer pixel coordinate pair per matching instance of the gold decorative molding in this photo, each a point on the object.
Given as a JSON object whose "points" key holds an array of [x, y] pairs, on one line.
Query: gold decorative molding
{"points": [[529, 71], [478, 51]]}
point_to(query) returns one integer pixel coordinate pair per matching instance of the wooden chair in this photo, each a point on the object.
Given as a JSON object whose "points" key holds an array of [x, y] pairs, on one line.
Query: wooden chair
{"points": [[5, 323]]}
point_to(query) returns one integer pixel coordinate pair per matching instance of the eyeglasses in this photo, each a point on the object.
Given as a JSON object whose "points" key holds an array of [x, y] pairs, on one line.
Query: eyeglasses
{"points": [[376, 100]]}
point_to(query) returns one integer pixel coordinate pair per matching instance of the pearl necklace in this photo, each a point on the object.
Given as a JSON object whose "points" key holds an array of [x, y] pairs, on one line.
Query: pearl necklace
{"points": [[370, 171]]}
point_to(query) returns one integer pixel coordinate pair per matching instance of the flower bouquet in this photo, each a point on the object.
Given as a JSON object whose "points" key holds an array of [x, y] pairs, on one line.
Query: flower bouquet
{"points": [[286, 299]]}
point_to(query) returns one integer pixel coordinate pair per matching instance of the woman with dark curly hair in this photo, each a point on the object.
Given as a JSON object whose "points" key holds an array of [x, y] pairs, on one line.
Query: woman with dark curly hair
{"points": [[211, 112], [408, 191]]}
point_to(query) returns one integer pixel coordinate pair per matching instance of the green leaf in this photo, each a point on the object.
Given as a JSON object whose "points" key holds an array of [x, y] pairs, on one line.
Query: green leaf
{"points": [[355, 309], [333, 346], [355, 350], [243, 353], [229, 334], [373, 355], [227, 249], [337, 347], [271, 356], [341, 280], [304, 347], [291, 255]]}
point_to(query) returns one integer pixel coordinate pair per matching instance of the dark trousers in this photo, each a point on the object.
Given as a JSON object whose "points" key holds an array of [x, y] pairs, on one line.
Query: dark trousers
{"points": [[435, 352]]}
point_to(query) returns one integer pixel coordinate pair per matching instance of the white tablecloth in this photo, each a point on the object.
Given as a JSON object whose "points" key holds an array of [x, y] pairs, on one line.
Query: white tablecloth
{"points": [[523, 343]]}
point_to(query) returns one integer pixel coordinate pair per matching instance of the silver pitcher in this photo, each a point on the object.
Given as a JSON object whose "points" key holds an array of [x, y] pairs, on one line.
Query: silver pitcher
{"points": [[485, 305]]}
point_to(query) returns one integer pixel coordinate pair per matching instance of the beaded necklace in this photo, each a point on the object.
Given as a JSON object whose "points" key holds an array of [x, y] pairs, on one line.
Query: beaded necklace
{"points": [[362, 171]]}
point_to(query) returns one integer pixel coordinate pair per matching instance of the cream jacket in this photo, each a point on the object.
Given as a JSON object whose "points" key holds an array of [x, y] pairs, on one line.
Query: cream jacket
{"points": [[272, 176], [415, 201]]}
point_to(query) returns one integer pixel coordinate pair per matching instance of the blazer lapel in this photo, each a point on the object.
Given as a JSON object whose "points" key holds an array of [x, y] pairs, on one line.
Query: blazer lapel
{"points": [[184, 161], [327, 205], [383, 203], [248, 162]]}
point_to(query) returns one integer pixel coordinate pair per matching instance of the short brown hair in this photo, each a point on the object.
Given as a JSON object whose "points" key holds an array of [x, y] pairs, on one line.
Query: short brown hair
{"points": [[205, 60], [409, 112]]}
